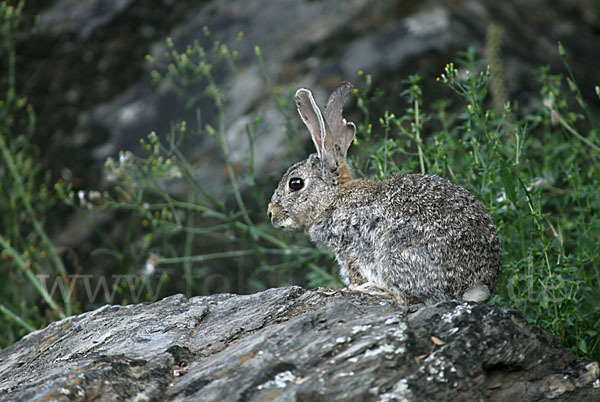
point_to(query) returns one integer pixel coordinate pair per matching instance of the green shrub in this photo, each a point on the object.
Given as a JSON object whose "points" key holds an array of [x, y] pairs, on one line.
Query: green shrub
{"points": [[25, 303], [535, 173], [202, 235]]}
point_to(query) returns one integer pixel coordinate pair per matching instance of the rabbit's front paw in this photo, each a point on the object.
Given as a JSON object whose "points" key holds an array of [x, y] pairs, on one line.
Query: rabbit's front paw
{"points": [[373, 289]]}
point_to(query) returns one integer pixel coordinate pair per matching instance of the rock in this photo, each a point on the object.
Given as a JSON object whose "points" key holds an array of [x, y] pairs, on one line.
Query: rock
{"points": [[324, 43], [327, 42], [81, 18], [289, 344]]}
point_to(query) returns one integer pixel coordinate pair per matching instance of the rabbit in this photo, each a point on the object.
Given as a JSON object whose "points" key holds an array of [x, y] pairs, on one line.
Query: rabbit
{"points": [[417, 238]]}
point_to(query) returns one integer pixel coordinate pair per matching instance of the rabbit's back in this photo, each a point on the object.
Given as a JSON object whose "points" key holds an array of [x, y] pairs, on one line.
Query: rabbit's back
{"points": [[416, 235]]}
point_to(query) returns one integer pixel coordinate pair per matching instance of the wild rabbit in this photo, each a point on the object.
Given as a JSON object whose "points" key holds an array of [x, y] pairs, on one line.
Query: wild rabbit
{"points": [[418, 237]]}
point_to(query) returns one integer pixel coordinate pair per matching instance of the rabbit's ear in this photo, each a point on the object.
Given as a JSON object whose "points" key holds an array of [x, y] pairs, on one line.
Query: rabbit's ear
{"points": [[343, 132], [316, 124]]}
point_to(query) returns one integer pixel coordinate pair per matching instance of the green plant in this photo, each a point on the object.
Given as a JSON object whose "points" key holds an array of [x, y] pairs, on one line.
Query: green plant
{"points": [[196, 234], [536, 173], [27, 250]]}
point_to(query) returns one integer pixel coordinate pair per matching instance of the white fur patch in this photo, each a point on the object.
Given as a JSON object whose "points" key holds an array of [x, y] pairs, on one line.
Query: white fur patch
{"points": [[477, 293], [342, 271], [284, 224]]}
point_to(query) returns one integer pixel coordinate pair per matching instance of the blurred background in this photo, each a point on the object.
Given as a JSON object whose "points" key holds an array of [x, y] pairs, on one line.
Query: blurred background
{"points": [[146, 137]]}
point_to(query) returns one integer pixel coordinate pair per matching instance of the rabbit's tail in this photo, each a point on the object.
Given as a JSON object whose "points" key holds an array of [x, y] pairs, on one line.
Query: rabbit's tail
{"points": [[477, 293]]}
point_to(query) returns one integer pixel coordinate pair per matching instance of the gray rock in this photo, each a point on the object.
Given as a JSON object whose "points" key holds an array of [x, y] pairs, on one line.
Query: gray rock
{"points": [[81, 17], [290, 344], [319, 44]]}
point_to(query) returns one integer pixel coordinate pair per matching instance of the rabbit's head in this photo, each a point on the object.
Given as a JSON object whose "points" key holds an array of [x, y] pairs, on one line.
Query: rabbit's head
{"points": [[309, 186]]}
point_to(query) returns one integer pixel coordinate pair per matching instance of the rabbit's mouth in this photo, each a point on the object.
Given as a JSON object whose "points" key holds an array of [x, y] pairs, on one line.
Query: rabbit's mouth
{"points": [[279, 219], [285, 224]]}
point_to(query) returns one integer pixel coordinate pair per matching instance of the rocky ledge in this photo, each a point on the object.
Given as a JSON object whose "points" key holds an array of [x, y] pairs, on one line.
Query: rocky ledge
{"points": [[291, 344]]}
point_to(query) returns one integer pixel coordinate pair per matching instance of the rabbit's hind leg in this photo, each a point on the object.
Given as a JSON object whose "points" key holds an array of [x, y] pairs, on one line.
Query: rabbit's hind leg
{"points": [[429, 296]]}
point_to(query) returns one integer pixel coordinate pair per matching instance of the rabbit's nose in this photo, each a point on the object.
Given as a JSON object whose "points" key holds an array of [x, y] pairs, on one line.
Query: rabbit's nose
{"points": [[270, 211]]}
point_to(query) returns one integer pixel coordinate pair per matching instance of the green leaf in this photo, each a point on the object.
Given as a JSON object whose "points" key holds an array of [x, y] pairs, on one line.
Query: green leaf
{"points": [[582, 346], [508, 180]]}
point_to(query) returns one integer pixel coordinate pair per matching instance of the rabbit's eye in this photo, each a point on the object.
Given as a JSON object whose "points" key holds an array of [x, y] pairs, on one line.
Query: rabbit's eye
{"points": [[296, 183]]}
